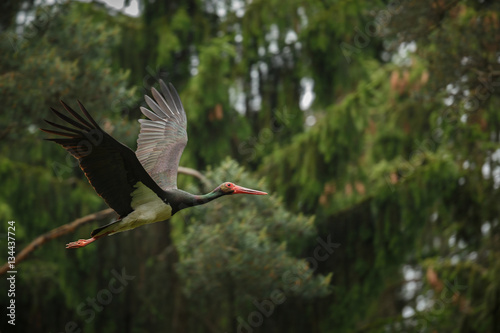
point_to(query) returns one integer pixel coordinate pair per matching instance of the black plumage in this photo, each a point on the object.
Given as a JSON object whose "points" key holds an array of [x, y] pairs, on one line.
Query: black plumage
{"points": [[111, 167]]}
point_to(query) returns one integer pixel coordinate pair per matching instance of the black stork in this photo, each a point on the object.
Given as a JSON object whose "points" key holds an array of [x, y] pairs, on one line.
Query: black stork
{"points": [[140, 187]]}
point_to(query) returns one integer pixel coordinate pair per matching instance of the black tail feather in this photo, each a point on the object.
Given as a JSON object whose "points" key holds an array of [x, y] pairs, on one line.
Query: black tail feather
{"points": [[98, 230]]}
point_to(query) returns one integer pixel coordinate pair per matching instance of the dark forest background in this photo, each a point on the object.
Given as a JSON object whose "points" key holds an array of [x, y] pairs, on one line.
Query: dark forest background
{"points": [[375, 126]]}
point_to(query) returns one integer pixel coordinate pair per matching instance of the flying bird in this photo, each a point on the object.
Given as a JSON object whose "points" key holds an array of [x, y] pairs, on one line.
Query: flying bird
{"points": [[140, 187]]}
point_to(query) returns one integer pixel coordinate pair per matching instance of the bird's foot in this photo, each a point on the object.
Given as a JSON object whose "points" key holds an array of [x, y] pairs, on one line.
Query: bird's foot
{"points": [[80, 243]]}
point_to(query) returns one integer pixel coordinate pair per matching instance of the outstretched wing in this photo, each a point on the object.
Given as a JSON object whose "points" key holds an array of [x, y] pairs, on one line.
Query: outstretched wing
{"points": [[163, 136], [111, 167]]}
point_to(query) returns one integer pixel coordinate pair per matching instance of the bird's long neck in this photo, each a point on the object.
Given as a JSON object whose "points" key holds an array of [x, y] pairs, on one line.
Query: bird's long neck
{"points": [[204, 198], [179, 199]]}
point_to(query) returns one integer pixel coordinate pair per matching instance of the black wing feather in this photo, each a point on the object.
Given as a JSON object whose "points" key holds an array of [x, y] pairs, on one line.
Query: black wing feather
{"points": [[111, 167], [86, 113], [77, 116], [65, 128]]}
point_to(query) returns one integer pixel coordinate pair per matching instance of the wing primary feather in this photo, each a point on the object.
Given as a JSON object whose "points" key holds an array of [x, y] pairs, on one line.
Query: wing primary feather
{"points": [[175, 98], [69, 129], [69, 120], [170, 101], [87, 114], [170, 97], [76, 115], [69, 135], [162, 103], [149, 114], [60, 141], [156, 108], [159, 126]]}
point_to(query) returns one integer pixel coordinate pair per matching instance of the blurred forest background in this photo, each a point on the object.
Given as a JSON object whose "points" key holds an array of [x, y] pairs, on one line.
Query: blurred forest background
{"points": [[375, 125]]}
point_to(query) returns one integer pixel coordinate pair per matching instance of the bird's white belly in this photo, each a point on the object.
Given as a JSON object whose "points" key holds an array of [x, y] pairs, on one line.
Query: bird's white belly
{"points": [[148, 208]]}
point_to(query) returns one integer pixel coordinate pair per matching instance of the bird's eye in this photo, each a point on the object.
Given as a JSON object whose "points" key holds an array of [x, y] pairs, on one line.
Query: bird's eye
{"points": [[229, 185]]}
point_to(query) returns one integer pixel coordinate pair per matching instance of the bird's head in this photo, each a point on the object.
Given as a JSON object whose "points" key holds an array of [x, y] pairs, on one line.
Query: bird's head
{"points": [[230, 188]]}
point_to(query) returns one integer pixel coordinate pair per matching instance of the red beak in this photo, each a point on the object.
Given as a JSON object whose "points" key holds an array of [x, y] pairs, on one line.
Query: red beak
{"points": [[243, 190]]}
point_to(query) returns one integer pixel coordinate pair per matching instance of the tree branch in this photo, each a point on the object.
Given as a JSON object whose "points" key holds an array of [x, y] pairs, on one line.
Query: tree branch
{"points": [[58, 232], [194, 173]]}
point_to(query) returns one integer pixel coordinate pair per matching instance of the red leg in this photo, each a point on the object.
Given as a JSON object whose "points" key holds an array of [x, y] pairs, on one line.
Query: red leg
{"points": [[80, 243], [83, 242]]}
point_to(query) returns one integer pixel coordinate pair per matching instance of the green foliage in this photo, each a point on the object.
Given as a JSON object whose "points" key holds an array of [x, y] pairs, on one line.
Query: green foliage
{"points": [[401, 166], [210, 115], [242, 243], [39, 71], [239, 250], [322, 153]]}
